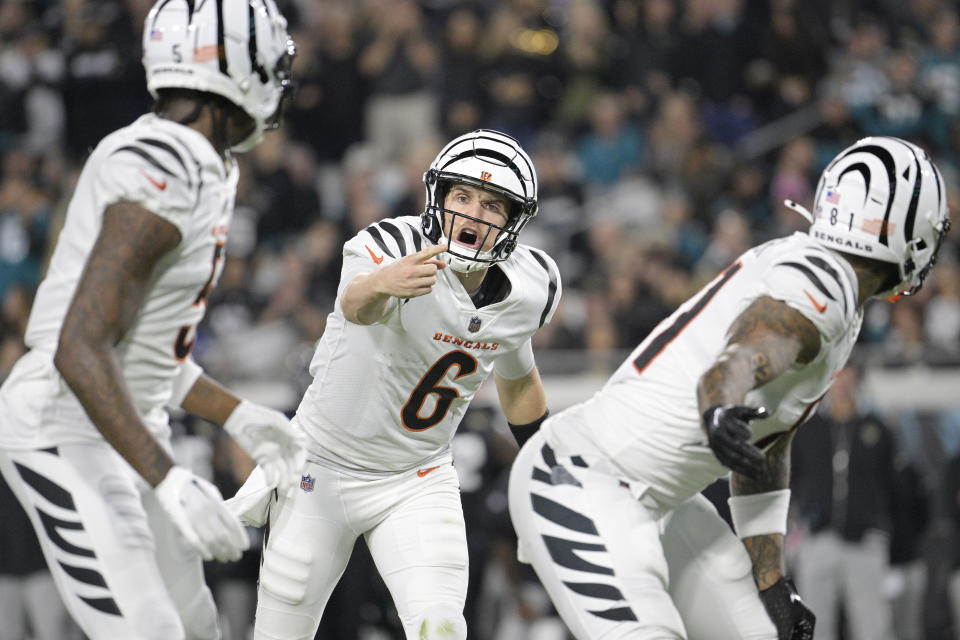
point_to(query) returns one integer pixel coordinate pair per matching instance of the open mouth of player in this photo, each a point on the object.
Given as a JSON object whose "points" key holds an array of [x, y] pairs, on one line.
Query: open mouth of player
{"points": [[468, 238]]}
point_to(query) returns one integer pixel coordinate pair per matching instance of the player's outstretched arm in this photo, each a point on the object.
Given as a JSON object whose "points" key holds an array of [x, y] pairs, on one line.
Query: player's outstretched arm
{"points": [[131, 242], [264, 433], [366, 297]]}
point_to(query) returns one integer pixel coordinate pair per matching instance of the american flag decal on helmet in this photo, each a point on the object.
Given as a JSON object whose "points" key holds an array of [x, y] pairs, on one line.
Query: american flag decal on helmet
{"points": [[474, 325], [306, 483]]}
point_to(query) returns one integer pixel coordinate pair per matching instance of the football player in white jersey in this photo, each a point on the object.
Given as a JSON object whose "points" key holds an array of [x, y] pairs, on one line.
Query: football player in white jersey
{"points": [[84, 432], [426, 309], [605, 497]]}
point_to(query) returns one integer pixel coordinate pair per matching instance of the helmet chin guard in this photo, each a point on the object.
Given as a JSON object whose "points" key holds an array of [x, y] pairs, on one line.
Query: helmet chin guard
{"points": [[488, 160], [884, 199]]}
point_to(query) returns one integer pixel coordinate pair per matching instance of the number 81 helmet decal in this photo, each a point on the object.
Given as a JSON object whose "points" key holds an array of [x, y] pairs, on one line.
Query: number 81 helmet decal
{"points": [[238, 49], [883, 198], [488, 160]]}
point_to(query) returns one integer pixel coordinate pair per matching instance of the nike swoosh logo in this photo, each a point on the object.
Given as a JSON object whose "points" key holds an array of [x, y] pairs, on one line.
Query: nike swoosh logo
{"points": [[819, 307], [376, 259], [158, 185], [423, 472]]}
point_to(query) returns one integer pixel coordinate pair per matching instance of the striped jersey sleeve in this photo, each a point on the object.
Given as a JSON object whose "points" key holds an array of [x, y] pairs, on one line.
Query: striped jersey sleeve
{"points": [[379, 244], [812, 281], [551, 285], [156, 171]]}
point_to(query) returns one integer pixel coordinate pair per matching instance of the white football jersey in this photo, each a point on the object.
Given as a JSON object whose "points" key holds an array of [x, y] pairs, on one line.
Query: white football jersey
{"points": [[389, 397], [174, 172], [646, 419]]}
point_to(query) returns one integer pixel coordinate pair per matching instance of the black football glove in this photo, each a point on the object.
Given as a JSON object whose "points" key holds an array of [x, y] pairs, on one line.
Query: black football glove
{"points": [[794, 621], [728, 432]]}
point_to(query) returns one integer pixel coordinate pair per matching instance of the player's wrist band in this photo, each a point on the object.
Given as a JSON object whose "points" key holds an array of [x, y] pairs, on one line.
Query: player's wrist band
{"points": [[760, 514], [522, 432]]}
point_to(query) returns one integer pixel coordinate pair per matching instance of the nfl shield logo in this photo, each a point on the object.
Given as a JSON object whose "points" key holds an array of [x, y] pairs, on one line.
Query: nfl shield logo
{"points": [[306, 483], [474, 325]]}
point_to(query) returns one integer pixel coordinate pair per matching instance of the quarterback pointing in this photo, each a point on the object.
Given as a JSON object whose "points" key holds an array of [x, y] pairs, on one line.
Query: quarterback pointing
{"points": [[605, 497], [426, 309], [84, 432]]}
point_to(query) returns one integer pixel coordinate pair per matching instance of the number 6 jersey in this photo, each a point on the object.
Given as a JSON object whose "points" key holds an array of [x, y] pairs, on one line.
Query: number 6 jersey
{"points": [[389, 396], [174, 172]]}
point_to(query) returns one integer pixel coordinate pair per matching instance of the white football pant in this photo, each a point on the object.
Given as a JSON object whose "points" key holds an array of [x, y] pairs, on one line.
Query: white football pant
{"points": [[613, 570], [413, 525], [119, 564]]}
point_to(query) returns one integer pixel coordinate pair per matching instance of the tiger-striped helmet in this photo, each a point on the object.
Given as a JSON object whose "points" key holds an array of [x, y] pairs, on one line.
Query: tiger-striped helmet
{"points": [[238, 49], [883, 198]]}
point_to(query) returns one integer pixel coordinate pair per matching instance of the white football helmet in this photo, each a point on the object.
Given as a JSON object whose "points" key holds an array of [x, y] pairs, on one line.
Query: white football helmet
{"points": [[238, 49], [488, 160], [883, 198]]}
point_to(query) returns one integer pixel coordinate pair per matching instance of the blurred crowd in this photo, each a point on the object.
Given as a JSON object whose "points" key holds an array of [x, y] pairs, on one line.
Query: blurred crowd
{"points": [[666, 135]]}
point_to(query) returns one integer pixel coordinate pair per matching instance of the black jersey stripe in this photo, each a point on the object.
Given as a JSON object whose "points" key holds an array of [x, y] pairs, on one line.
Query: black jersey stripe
{"points": [[561, 515], [146, 156], [54, 493], [824, 266], [106, 605], [595, 590], [84, 575], [665, 337], [160, 144], [417, 240], [811, 276], [52, 528], [541, 475], [394, 231], [619, 614], [562, 551], [546, 451], [551, 288], [378, 238]]}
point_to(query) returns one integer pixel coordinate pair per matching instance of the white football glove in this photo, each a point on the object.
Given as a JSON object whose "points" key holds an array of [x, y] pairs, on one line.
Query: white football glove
{"points": [[271, 440], [197, 509]]}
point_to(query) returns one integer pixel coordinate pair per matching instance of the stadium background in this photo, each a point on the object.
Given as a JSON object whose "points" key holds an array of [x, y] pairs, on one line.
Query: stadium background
{"points": [[666, 135]]}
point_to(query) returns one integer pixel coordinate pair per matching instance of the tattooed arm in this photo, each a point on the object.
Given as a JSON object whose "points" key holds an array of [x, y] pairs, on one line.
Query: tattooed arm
{"points": [[767, 551], [765, 340], [132, 241]]}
